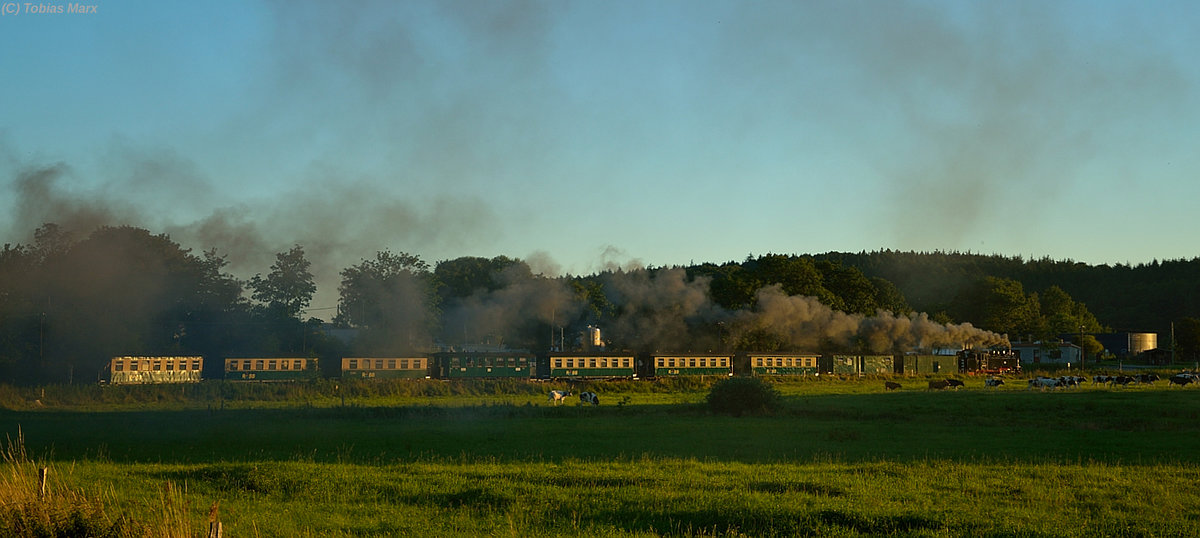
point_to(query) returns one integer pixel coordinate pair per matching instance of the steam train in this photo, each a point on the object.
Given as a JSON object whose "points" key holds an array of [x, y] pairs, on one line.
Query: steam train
{"points": [[448, 365]]}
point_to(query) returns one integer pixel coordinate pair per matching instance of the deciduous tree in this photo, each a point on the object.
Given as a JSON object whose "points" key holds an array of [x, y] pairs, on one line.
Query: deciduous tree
{"points": [[289, 287]]}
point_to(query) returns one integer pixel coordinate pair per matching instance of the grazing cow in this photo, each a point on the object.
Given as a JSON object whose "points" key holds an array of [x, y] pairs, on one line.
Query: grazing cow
{"points": [[955, 383], [1102, 379], [589, 397], [1070, 381], [1044, 382], [1181, 379], [1122, 380], [992, 382], [938, 385], [1146, 378], [890, 385], [557, 396]]}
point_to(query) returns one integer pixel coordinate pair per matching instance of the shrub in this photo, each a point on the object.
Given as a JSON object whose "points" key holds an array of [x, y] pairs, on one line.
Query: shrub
{"points": [[739, 396]]}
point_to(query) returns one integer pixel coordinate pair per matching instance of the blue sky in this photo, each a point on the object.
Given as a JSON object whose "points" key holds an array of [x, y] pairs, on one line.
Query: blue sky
{"points": [[581, 134]]}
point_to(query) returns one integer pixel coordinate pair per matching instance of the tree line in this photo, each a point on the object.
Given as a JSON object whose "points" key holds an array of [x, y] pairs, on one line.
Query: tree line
{"points": [[69, 303]]}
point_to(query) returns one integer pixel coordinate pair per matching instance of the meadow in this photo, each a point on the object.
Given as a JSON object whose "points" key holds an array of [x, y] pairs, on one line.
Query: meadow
{"points": [[429, 458]]}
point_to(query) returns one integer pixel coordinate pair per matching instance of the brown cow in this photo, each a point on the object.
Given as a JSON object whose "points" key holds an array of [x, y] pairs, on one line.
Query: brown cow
{"points": [[890, 385]]}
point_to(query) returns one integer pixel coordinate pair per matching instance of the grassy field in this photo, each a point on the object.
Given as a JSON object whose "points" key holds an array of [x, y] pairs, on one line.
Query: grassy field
{"points": [[843, 458]]}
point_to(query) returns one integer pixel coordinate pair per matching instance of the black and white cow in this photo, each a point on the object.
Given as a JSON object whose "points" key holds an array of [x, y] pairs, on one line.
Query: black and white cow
{"points": [[890, 385], [955, 383], [1147, 378], [558, 396], [1071, 381], [992, 382], [1044, 383], [589, 398], [1181, 379]]}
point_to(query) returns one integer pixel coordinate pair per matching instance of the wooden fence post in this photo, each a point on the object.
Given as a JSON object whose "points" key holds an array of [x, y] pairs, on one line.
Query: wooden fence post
{"points": [[42, 483], [214, 526]]}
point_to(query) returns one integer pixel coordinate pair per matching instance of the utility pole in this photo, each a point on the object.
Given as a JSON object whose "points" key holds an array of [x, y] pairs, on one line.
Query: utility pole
{"points": [[1082, 353]]}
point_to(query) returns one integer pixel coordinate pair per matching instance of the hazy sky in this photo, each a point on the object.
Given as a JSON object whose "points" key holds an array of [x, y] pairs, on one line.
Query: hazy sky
{"points": [[577, 134]]}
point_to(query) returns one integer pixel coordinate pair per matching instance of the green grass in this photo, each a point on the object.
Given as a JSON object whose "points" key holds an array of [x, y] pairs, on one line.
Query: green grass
{"points": [[841, 458]]}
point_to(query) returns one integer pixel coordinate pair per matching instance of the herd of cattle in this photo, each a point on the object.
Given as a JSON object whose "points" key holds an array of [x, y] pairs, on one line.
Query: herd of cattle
{"points": [[1040, 382], [1066, 382], [560, 396]]}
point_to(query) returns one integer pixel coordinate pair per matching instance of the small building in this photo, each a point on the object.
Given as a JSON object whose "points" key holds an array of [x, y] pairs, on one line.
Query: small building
{"points": [[1156, 357], [1047, 353]]}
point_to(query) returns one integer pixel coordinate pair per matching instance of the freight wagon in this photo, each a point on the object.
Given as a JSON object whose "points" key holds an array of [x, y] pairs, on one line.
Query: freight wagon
{"points": [[912, 364], [858, 364]]}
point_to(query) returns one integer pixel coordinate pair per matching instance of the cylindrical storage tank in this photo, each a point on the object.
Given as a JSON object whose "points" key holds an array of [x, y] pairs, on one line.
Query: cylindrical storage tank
{"points": [[1139, 342]]}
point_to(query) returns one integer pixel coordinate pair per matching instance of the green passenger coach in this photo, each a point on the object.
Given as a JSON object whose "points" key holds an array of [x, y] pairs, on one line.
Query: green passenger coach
{"points": [[485, 365], [591, 366], [769, 364], [385, 367], [692, 365], [270, 369]]}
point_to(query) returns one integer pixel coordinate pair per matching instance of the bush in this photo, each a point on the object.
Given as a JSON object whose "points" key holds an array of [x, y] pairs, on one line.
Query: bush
{"points": [[739, 396]]}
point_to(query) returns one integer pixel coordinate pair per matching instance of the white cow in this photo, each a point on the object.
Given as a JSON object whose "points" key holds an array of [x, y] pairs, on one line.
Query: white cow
{"points": [[557, 396]]}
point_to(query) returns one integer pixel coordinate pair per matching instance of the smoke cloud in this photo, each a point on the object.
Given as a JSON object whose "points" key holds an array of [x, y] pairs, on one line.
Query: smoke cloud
{"points": [[337, 223], [522, 305], [662, 310]]}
